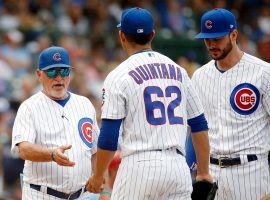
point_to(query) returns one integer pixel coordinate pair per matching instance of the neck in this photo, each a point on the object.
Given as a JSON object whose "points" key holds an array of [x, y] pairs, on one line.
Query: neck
{"points": [[54, 97], [230, 60], [137, 48]]}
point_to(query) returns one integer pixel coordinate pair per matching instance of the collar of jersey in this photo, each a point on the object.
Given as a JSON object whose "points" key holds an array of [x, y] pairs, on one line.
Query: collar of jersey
{"points": [[143, 50], [218, 68], [63, 102]]}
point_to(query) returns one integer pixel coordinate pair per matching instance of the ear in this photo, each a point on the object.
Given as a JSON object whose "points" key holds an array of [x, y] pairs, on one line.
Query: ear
{"points": [[38, 71], [234, 35], [152, 35], [122, 36]]}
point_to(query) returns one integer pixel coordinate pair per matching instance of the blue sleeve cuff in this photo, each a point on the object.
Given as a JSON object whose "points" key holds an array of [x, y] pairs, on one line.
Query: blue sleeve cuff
{"points": [[109, 133], [198, 123]]}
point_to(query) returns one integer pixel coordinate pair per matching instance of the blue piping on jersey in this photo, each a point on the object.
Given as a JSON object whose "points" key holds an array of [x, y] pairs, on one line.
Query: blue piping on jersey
{"points": [[109, 133], [198, 123], [63, 102], [218, 68]]}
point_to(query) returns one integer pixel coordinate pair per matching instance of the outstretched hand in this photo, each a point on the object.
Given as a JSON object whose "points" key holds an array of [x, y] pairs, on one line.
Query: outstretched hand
{"points": [[60, 158]]}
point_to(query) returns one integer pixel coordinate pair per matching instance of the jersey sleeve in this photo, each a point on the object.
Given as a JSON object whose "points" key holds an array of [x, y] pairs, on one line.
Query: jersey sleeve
{"points": [[194, 105], [114, 99], [23, 128]]}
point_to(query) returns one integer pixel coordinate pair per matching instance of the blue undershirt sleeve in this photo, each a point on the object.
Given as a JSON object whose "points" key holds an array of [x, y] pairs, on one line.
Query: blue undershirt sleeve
{"points": [[198, 123], [109, 133]]}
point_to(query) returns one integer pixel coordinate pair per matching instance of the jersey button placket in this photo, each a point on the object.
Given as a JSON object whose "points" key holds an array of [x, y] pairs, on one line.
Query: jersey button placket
{"points": [[220, 97]]}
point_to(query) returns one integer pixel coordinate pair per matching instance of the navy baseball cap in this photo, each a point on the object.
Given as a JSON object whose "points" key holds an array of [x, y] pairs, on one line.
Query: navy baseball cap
{"points": [[136, 21], [216, 23], [53, 57]]}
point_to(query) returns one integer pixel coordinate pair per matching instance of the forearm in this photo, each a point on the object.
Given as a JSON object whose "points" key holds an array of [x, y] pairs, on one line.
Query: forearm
{"points": [[34, 152], [104, 157], [106, 185], [202, 149], [93, 162]]}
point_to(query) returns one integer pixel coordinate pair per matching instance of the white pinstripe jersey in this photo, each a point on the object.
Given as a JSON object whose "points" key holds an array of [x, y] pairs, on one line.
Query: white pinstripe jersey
{"points": [[155, 98], [237, 105], [43, 121]]}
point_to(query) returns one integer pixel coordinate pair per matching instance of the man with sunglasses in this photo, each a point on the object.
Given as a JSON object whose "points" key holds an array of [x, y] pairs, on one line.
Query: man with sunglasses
{"points": [[55, 132], [235, 91]]}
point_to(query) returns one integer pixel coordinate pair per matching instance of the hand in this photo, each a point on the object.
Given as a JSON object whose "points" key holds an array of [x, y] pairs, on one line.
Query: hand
{"points": [[60, 158], [266, 197], [94, 184]]}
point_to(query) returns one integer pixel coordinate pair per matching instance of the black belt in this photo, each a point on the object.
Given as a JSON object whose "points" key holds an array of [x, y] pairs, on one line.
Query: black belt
{"points": [[177, 151], [227, 162], [61, 195]]}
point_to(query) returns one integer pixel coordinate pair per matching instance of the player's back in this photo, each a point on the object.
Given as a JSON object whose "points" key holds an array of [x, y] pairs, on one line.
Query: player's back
{"points": [[150, 94]]}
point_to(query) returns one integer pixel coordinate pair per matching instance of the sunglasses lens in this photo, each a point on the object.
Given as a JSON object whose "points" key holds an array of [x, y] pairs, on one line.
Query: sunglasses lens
{"points": [[64, 72], [52, 73]]}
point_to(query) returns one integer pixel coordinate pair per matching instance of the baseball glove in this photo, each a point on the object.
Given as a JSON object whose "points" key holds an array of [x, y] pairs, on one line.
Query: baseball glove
{"points": [[204, 190]]}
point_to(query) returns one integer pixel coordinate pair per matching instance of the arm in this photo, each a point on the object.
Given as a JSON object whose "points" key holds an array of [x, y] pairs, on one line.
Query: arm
{"points": [[202, 149], [107, 145], [100, 176], [106, 195], [93, 162], [37, 153], [200, 141]]}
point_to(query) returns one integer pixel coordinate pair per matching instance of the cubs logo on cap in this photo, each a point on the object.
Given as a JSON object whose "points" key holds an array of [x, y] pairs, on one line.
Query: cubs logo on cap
{"points": [[208, 24], [245, 98], [85, 128], [57, 56]]}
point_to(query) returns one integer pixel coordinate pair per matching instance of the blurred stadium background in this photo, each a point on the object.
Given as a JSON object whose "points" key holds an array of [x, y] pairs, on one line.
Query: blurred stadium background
{"points": [[87, 29]]}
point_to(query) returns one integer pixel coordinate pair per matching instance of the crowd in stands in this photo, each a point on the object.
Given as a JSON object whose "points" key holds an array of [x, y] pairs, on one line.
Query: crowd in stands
{"points": [[87, 29]]}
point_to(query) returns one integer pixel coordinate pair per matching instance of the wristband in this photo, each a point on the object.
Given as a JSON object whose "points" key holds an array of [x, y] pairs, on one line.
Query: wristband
{"points": [[52, 156], [108, 192]]}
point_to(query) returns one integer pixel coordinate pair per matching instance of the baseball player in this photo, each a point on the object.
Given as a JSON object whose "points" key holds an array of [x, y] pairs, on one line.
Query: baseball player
{"points": [[235, 91], [154, 101], [55, 132]]}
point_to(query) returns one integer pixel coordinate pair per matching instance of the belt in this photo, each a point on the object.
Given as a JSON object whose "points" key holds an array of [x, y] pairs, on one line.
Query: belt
{"points": [[177, 151], [61, 195], [227, 162]]}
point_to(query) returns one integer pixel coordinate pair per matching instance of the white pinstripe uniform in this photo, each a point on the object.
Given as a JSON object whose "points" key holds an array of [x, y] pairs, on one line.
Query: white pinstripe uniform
{"points": [[154, 97], [237, 107], [43, 121]]}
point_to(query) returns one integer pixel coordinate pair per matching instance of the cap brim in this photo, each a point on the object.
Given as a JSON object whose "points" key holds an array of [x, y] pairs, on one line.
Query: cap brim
{"points": [[55, 65], [211, 35]]}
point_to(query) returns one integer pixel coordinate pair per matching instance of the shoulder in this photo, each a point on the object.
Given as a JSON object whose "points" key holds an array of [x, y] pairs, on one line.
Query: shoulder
{"points": [[119, 70], [120, 74], [204, 69], [256, 61], [35, 99], [261, 66], [32, 102]]}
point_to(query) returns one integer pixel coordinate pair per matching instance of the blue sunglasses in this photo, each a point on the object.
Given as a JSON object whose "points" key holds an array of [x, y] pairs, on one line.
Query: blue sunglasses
{"points": [[52, 73]]}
